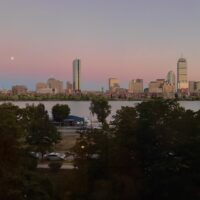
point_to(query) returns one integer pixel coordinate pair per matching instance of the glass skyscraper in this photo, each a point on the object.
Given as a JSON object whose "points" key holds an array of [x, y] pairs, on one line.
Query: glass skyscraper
{"points": [[76, 75], [171, 78]]}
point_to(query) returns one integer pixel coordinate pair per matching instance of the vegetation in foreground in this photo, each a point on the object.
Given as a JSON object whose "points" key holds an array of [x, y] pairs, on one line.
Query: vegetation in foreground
{"points": [[151, 152]]}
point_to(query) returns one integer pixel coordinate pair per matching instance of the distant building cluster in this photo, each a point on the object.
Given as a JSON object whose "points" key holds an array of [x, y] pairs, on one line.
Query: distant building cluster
{"points": [[52, 86], [169, 87], [166, 88]]}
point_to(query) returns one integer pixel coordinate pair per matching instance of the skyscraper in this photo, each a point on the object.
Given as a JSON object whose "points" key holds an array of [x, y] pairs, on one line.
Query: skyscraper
{"points": [[136, 86], [182, 83], [171, 78], [76, 75], [55, 85], [113, 84]]}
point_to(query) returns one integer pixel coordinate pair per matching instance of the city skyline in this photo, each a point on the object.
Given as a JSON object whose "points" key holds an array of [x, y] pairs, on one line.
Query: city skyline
{"points": [[127, 39], [114, 82]]}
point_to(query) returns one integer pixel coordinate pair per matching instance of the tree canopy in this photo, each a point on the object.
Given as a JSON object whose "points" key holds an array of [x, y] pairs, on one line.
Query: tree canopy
{"points": [[60, 112], [18, 179], [41, 134], [100, 106], [151, 152]]}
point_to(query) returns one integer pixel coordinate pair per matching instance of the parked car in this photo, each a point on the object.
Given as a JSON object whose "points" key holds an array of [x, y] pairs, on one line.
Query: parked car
{"points": [[55, 156]]}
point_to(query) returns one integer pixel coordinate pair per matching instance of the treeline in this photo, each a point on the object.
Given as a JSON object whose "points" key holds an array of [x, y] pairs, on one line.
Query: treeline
{"points": [[150, 152], [83, 97], [22, 131], [37, 97]]}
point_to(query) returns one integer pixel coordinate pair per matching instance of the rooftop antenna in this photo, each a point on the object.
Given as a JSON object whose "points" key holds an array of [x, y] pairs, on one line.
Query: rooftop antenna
{"points": [[181, 55]]}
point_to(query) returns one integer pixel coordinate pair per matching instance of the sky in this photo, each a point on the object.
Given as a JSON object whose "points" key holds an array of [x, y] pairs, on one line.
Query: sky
{"points": [[125, 39]]}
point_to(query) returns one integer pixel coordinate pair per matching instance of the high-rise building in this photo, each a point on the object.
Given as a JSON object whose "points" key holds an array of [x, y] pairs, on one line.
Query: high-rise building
{"points": [[69, 87], [76, 75], [156, 86], [113, 84], [182, 83], [136, 86], [55, 85], [194, 87], [171, 79], [162, 87], [40, 86]]}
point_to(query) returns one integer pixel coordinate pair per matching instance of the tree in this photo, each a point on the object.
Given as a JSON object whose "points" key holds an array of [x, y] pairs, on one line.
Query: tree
{"points": [[60, 112], [18, 180], [100, 107], [11, 139], [168, 142], [41, 134], [152, 152]]}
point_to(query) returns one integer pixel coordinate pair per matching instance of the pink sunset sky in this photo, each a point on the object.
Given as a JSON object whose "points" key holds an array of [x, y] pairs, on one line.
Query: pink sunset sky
{"points": [[126, 39]]}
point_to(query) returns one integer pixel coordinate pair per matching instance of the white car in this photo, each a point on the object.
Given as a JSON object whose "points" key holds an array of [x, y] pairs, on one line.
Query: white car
{"points": [[55, 156]]}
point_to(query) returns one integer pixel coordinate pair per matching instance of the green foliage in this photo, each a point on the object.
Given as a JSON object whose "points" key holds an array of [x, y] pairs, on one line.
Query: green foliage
{"points": [[152, 152], [100, 107], [41, 134], [11, 133], [17, 168], [37, 187], [60, 112]]}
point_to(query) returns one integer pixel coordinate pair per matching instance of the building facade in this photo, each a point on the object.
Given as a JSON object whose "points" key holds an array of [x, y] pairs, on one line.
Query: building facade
{"points": [[182, 82], [171, 78], [69, 87], [55, 85], [40, 86], [156, 86], [135, 86], [19, 90], [194, 87], [77, 75], [113, 84]]}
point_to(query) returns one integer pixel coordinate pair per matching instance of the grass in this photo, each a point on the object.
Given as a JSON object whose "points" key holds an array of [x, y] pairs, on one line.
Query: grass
{"points": [[67, 142]]}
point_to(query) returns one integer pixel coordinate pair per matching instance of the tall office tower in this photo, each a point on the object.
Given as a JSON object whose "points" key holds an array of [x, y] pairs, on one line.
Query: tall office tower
{"points": [[76, 75], [136, 86], [182, 83], [113, 84], [171, 79]]}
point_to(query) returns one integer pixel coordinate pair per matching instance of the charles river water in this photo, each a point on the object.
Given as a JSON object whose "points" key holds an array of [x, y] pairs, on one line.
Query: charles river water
{"points": [[81, 108]]}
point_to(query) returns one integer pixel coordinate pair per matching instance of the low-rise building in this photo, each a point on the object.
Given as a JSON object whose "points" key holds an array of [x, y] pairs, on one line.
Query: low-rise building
{"points": [[19, 90]]}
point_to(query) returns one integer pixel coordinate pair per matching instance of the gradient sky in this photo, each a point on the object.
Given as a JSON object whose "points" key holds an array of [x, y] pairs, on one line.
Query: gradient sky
{"points": [[126, 39]]}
